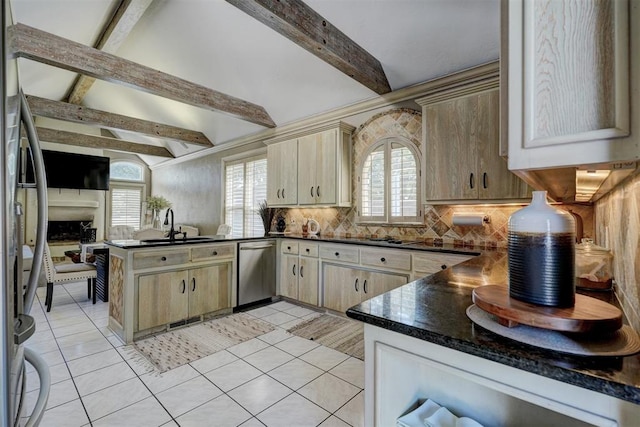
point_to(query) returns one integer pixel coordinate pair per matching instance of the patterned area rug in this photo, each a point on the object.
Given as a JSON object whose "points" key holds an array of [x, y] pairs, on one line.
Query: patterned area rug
{"points": [[176, 348], [338, 333]]}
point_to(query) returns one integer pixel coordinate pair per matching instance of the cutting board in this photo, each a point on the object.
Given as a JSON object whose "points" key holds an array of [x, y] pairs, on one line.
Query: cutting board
{"points": [[587, 315]]}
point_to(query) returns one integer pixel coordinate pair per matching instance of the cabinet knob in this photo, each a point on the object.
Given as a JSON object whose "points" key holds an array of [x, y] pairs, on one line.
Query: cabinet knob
{"points": [[288, 248], [337, 253], [383, 259], [283, 193], [471, 180], [443, 266], [356, 284], [364, 286], [318, 191], [293, 270], [311, 191], [215, 253], [484, 180], [164, 258], [307, 250], [301, 269], [193, 283], [278, 193], [184, 286]]}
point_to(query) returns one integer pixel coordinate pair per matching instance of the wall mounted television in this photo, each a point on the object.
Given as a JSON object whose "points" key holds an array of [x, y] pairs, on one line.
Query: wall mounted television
{"points": [[71, 170]]}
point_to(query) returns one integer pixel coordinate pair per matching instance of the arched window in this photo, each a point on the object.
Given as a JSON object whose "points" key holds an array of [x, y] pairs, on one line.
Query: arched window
{"points": [[126, 192], [126, 171], [389, 183]]}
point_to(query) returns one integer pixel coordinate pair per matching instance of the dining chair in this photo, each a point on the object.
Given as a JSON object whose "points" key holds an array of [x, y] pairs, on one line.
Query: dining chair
{"points": [[62, 273]]}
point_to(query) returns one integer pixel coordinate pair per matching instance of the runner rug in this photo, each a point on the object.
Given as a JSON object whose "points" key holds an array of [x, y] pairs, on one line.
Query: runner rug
{"points": [[338, 333], [169, 350]]}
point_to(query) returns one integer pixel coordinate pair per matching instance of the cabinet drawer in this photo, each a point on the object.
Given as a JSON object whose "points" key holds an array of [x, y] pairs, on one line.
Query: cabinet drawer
{"points": [[396, 259], [160, 258], [339, 253], [309, 249], [213, 251], [431, 262], [290, 247]]}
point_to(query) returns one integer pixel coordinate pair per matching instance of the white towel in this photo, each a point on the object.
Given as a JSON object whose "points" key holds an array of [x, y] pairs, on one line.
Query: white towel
{"points": [[441, 418], [444, 418], [415, 418]]}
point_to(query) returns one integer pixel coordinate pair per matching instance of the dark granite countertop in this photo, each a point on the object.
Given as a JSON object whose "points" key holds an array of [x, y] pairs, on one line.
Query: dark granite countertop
{"points": [[434, 309], [405, 245]]}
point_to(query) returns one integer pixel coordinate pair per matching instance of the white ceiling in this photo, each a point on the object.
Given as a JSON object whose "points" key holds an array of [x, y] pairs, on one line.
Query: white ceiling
{"points": [[214, 44]]}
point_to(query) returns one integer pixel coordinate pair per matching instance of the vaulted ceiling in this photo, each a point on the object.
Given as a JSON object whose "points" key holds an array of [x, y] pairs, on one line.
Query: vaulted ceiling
{"points": [[218, 47]]}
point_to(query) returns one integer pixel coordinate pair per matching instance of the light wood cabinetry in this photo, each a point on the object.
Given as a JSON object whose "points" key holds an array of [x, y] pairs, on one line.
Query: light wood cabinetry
{"points": [[165, 298], [282, 173], [156, 288], [299, 273], [162, 299], [346, 286], [570, 71], [461, 156], [320, 171]]}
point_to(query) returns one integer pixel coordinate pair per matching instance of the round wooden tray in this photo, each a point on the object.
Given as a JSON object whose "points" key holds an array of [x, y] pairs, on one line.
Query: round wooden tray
{"points": [[587, 315]]}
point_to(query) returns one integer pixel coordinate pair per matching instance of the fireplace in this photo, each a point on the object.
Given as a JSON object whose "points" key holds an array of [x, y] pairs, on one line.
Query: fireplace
{"points": [[70, 232]]}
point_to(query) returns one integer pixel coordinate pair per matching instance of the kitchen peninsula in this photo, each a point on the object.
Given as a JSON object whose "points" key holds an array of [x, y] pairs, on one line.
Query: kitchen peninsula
{"points": [[419, 344], [155, 283]]}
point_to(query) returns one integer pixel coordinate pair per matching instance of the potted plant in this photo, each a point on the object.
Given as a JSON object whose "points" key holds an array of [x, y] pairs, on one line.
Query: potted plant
{"points": [[156, 204], [267, 214]]}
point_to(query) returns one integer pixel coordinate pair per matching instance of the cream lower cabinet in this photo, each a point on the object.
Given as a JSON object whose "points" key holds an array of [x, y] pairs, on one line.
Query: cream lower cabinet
{"points": [[346, 286], [299, 274], [168, 297]]}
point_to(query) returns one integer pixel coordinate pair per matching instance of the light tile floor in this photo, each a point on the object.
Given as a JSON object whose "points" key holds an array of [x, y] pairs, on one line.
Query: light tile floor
{"points": [[276, 379]]}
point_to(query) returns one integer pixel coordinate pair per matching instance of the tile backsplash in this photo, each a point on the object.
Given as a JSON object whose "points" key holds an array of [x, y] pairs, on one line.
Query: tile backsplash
{"points": [[438, 224], [617, 227]]}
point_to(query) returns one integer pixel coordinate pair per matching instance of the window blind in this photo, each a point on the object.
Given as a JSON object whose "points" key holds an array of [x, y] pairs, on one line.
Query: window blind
{"points": [[245, 188], [126, 206]]}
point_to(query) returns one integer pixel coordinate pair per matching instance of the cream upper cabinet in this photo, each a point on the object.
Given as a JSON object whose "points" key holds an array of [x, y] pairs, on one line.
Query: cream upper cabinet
{"points": [[571, 73], [320, 173], [282, 173], [461, 155]]}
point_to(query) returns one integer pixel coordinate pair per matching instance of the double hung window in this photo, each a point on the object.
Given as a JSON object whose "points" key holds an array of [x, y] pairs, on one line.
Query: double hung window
{"points": [[245, 187]]}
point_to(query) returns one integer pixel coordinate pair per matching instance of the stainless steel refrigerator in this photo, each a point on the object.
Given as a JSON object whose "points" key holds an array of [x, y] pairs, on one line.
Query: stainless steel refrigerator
{"points": [[16, 295]]}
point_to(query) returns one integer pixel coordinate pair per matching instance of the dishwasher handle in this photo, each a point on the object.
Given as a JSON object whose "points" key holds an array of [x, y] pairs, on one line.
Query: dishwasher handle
{"points": [[252, 248]]}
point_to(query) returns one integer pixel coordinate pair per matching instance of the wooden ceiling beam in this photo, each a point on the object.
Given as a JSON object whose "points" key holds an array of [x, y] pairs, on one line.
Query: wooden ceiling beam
{"points": [[78, 114], [125, 17], [308, 29], [91, 141], [37, 45]]}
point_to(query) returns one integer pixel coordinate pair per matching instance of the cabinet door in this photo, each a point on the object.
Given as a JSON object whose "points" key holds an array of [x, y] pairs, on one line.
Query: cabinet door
{"points": [[307, 169], [451, 157], [162, 298], [569, 65], [209, 289], [308, 280], [289, 276], [495, 181], [341, 286], [282, 173], [378, 283], [327, 168]]}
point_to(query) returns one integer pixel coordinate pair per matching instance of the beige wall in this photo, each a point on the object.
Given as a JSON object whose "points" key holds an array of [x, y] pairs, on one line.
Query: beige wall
{"points": [[618, 228], [194, 188]]}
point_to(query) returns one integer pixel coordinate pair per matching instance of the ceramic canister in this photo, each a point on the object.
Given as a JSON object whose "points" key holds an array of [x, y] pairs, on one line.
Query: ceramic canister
{"points": [[541, 245]]}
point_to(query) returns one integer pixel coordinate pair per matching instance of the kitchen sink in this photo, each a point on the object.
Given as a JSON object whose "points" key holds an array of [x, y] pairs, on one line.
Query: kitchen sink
{"points": [[180, 240]]}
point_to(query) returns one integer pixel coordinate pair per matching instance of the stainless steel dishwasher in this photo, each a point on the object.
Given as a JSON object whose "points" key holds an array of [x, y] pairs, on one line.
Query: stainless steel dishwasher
{"points": [[256, 271]]}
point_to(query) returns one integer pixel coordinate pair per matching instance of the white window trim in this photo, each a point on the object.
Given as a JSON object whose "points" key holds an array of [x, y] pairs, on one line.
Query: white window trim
{"points": [[386, 219], [247, 156], [129, 185]]}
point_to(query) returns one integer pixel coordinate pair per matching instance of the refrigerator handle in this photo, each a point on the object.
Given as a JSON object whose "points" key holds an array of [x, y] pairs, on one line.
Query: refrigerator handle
{"points": [[45, 385], [41, 191]]}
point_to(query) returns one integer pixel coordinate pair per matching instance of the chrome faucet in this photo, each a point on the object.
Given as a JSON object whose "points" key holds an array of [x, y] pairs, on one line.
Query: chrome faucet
{"points": [[172, 232]]}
